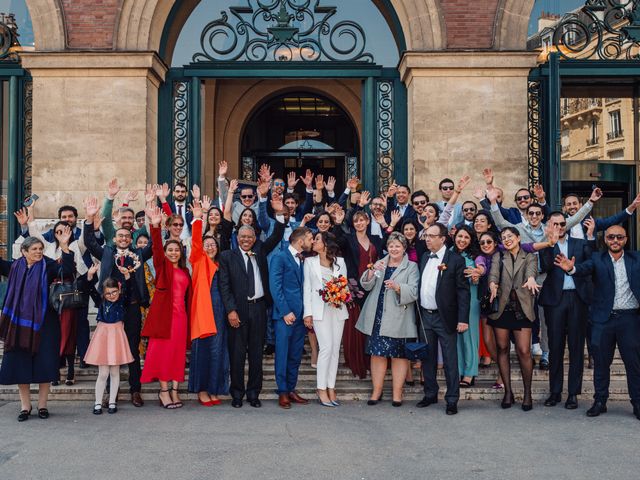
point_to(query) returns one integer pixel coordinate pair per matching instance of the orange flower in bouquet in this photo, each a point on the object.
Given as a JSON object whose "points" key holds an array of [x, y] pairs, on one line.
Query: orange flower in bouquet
{"points": [[336, 292]]}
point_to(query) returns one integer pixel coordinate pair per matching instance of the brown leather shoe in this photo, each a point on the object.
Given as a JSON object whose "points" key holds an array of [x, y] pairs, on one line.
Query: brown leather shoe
{"points": [[283, 401], [294, 397], [136, 399]]}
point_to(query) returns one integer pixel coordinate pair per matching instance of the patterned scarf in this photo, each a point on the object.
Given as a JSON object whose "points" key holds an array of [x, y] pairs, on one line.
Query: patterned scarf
{"points": [[25, 306]]}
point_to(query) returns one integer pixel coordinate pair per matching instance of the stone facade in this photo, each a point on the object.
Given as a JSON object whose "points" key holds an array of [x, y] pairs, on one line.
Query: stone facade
{"points": [[97, 69]]}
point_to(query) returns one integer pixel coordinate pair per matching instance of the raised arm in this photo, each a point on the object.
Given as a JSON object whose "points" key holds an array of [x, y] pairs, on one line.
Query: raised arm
{"points": [[88, 234], [496, 212]]}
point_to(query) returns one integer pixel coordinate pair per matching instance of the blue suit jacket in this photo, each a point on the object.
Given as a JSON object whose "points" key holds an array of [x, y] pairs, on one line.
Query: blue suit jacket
{"points": [[286, 280], [600, 268]]}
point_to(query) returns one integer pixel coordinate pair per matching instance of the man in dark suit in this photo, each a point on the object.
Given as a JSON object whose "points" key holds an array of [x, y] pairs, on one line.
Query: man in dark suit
{"points": [[572, 204], [566, 301], [615, 314], [286, 280], [444, 307], [122, 254], [398, 197], [244, 287]]}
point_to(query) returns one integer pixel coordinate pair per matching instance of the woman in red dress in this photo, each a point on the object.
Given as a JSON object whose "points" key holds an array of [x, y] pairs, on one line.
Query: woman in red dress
{"points": [[167, 323]]}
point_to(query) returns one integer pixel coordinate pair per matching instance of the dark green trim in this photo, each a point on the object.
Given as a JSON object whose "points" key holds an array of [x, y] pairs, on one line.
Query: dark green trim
{"points": [[400, 133], [13, 170], [369, 162], [195, 126], [165, 131], [552, 130], [282, 70]]}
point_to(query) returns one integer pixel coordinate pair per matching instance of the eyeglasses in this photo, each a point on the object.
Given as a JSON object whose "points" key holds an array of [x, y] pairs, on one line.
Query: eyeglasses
{"points": [[278, 184], [246, 196], [420, 202], [210, 246], [433, 235], [486, 242], [559, 224], [523, 197], [177, 224], [613, 236], [447, 187], [378, 205], [535, 213], [469, 209], [111, 294]]}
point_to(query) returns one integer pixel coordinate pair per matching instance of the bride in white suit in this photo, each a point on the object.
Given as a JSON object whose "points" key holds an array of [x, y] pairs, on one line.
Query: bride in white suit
{"points": [[327, 321]]}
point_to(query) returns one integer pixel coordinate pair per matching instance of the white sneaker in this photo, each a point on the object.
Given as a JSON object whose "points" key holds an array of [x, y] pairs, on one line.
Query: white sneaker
{"points": [[536, 351]]}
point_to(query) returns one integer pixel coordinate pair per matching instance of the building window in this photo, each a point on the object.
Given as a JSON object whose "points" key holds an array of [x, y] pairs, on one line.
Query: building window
{"points": [[615, 126], [593, 137]]}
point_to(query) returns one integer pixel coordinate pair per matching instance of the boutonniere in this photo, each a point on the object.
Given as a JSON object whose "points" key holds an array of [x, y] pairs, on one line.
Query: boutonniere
{"points": [[442, 267], [251, 253]]}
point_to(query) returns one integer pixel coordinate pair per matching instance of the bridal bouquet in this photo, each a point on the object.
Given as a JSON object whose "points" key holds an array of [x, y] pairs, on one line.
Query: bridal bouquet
{"points": [[128, 259], [336, 292]]}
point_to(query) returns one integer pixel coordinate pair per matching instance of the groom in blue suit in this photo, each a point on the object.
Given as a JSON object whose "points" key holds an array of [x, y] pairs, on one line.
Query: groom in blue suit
{"points": [[286, 282]]}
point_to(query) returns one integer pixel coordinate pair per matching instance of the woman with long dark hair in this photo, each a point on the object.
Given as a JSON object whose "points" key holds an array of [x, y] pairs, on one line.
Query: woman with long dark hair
{"points": [[466, 245], [167, 322], [216, 225], [326, 320]]}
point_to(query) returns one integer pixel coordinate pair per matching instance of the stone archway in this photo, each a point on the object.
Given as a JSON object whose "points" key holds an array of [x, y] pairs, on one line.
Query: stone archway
{"points": [[141, 24], [512, 24], [49, 30]]}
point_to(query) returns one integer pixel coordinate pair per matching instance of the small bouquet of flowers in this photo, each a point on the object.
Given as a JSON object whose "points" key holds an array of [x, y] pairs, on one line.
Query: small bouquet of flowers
{"points": [[121, 259], [336, 292]]}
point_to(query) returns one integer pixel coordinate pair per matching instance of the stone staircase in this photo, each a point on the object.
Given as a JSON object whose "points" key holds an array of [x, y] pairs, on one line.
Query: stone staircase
{"points": [[348, 387]]}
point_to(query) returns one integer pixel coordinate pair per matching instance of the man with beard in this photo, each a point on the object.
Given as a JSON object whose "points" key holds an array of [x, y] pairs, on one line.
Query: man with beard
{"points": [[124, 217], [523, 199], [121, 253], [572, 204], [615, 314]]}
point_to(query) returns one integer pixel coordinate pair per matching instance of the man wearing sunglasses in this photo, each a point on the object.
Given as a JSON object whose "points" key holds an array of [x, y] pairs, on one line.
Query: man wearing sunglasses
{"points": [[615, 314], [469, 210], [565, 300], [447, 187], [572, 204]]}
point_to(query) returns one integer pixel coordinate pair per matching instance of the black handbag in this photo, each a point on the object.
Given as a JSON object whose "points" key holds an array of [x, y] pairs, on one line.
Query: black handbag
{"points": [[487, 307], [67, 295], [414, 351]]}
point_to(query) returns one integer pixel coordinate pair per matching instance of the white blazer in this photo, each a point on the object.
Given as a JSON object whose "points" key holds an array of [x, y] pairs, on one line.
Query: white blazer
{"points": [[313, 283]]}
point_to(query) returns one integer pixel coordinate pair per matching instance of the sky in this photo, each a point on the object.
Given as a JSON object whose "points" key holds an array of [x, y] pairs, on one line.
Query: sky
{"points": [[19, 8], [379, 39], [551, 6]]}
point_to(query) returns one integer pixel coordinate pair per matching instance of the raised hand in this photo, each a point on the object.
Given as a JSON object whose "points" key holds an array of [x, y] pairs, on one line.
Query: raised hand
{"points": [[264, 172], [292, 181], [113, 188], [97, 221], [487, 173], [564, 263], [22, 216], [223, 168], [277, 205], [155, 215], [64, 237], [150, 193], [91, 207], [552, 234], [352, 183], [262, 188], [338, 215], [162, 192], [306, 219], [365, 199], [635, 204], [391, 191], [233, 186], [206, 203], [308, 179], [320, 182], [378, 217], [590, 223], [595, 195], [531, 285], [131, 197], [396, 216], [492, 195], [464, 182], [331, 184], [539, 193], [196, 208], [195, 192], [116, 216], [93, 269], [478, 193]]}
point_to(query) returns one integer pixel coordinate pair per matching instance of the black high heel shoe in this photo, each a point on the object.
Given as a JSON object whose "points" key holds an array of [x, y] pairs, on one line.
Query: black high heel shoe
{"points": [[374, 402], [508, 404], [526, 407], [24, 415]]}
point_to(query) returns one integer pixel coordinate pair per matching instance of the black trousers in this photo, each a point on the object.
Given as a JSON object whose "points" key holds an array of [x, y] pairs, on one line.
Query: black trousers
{"points": [[248, 340], [82, 332], [622, 329], [435, 331], [566, 325], [132, 327]]}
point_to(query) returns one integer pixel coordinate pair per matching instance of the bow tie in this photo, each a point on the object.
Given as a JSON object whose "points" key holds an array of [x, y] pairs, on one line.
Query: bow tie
{"points": [[433, 255], [300, 257]]}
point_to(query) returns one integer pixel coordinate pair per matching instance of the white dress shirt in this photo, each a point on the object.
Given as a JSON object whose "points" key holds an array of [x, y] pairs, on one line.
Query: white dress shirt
{"points": [[430, 281], [259, 289], [295, 253], [563, 246], [181, 209], [624, 298]]}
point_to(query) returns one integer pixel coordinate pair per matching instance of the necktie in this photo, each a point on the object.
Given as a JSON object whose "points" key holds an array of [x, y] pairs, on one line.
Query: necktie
{"points": [[433, 255], [180, 210], [251, 290]]}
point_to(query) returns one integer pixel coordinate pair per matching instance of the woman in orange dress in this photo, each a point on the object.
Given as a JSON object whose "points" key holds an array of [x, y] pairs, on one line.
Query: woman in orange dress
{"points": [[167, 323]]}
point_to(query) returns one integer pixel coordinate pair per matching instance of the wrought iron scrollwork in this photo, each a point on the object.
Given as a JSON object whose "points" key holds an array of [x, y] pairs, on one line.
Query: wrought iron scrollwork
{"points": [[602, 29], [8, 36], [249, 170], [282, 31], [351, 167], [534, 128], [384, 130], [180, 132], [28, 135]]}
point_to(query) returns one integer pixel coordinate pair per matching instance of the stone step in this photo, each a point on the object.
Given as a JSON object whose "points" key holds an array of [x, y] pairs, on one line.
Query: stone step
{"points": [[360, 390]]}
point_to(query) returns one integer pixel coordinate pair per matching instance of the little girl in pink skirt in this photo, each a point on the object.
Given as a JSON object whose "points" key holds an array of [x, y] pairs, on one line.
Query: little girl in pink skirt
{"points": [[109, 347]]}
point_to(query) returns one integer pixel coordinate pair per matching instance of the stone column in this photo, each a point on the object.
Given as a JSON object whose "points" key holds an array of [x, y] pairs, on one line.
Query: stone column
{"points": [[467, 111], [95, 117]]}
